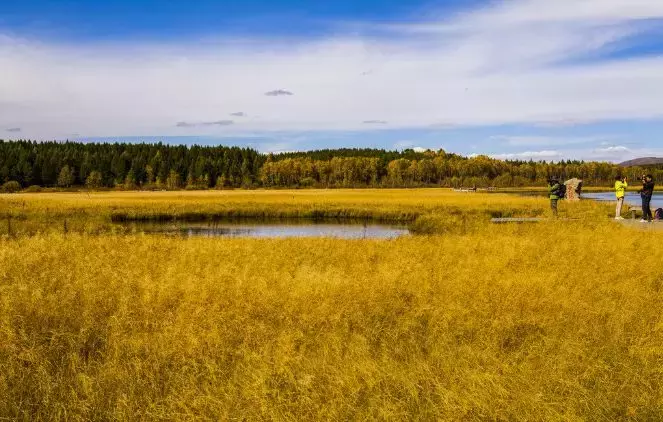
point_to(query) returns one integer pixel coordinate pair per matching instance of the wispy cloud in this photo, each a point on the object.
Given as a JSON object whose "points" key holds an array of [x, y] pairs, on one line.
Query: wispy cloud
{"points": [[278, 93], [375, 122], [615, 154], [202, 124], [617, 149], [403, 144], [14, 129], [238, 114], [547, 155], [516, 62], [548, 141]]}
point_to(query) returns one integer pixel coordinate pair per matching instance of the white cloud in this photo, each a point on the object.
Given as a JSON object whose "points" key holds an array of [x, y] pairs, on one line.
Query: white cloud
{"points": [[546, 155], [505, 63], [617, 149], [400, 145], [616, 154], [565, 11], [556, 141], [403, 144], [275, 147]]}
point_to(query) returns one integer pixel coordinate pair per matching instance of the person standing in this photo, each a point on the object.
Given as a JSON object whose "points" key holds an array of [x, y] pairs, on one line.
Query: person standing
{"points": [[620, 190], [646, 193], [554, 189]]}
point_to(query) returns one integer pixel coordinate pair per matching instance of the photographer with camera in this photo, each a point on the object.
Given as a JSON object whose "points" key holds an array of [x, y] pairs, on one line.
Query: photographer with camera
{"points": [[556, 191], [620, 190], [646, 193]]}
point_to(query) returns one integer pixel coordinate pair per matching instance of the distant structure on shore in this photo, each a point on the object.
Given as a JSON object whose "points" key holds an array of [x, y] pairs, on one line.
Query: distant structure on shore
{"points": [[573, 189]]}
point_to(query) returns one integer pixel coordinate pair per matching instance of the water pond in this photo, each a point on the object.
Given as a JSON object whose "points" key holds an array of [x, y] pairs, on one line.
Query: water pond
{"points": [[631, 198], [274, 229]]}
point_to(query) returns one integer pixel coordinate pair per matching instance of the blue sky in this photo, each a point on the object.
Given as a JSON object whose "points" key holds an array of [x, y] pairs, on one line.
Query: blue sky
{"points": [[84, 20], [518, 79]]}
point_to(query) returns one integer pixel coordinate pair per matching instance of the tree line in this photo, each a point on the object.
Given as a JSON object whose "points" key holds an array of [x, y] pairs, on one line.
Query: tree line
{"points": [[437, 168], [162, 166], [66, 164]]}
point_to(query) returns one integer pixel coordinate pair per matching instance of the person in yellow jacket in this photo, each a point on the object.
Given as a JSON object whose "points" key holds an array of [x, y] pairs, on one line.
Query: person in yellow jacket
{"points": [[621, 184]]}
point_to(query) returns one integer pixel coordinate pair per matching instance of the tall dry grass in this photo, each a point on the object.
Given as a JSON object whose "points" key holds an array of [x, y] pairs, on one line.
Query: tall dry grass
{"points": [[103, 212], [555, 321]]}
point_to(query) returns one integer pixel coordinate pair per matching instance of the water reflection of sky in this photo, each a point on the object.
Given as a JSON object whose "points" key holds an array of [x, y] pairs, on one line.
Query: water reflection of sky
{"points": [[275, 230], [631, 198]]}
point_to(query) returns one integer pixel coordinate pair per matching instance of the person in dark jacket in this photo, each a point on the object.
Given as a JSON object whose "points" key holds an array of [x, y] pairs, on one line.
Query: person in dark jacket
{"points": [[554, 189], [646, 193]]}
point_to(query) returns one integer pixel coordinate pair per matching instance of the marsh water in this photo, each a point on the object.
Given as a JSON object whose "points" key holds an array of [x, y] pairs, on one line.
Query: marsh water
{"points": [[332, 228], [275, 229], [631, 198]]}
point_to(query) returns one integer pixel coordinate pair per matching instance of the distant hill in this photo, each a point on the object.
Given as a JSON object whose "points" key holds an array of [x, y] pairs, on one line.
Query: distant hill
{"points": [[647, 161]]}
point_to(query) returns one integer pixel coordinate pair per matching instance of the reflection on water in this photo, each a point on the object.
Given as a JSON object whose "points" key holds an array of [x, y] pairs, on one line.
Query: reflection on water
{"points": [[632, 198], [277, 229]]}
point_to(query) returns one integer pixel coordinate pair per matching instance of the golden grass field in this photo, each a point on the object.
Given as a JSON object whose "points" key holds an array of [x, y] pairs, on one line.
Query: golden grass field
{"points": [[553, 321], [94, 212]]}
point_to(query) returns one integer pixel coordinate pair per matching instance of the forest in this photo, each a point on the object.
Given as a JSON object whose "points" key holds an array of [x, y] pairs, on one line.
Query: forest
{"points": [[31, 164]]}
